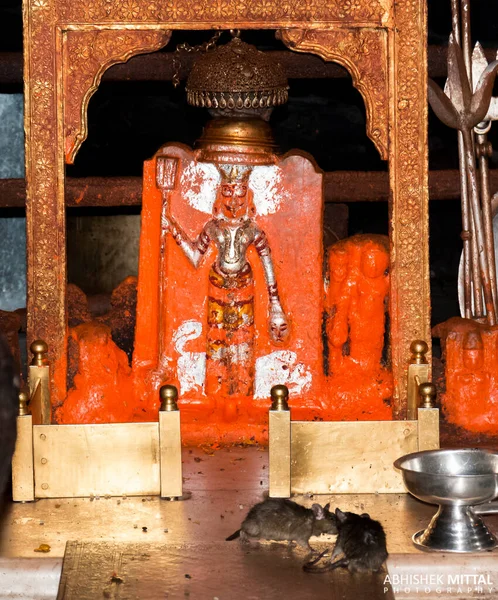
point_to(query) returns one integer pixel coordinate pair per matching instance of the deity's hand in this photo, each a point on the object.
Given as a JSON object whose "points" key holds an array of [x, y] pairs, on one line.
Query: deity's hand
{"points": [[165, 223], [278, 324], [169, 226], [340, 333]]}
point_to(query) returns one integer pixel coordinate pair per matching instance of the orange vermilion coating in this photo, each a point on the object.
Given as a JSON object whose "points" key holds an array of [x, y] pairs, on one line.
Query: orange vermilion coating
{"points": [[333, 361], [471, 353]]}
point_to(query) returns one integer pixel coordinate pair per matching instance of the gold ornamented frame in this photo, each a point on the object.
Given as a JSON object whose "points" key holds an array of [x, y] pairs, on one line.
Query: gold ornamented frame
{"points": [[68, 44]]}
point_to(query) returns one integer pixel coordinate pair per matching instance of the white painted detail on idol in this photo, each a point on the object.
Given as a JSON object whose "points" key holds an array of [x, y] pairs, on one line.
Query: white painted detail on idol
{"points": [[240, 353], [200, 183], [281, 367], [191, 366], [264, 182]]}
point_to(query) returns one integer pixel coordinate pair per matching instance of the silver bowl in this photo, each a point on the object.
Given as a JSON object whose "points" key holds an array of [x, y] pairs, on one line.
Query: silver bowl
{"points": [[457, 480]]}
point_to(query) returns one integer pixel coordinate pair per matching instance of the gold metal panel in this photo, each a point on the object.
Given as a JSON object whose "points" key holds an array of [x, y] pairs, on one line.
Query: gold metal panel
{"points": [[428, 428], [81, 460], [417, 374], [23, 489], [170, 453], [39, 391], [349, 457], [280, 453]]}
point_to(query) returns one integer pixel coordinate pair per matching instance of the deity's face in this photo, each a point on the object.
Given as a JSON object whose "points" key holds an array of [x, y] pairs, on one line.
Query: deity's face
{"points": [[473, 351], [279, 329], [374, 262], [473, 358], [234, 200], [339, 265]]}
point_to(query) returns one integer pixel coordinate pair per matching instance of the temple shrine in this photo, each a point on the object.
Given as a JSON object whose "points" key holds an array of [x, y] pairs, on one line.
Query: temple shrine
{"points": [[267, 370]]}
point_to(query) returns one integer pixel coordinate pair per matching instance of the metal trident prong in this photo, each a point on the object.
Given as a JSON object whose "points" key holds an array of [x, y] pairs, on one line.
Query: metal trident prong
{"points": [[479, 65]]}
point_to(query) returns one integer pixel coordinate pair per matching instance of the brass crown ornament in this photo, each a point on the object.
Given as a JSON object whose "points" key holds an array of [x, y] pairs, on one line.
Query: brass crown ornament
{"points": [[235, 173], [236, 77]]}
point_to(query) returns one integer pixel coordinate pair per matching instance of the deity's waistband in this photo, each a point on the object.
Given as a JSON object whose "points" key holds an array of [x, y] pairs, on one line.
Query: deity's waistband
{"points": [[231, 280]]}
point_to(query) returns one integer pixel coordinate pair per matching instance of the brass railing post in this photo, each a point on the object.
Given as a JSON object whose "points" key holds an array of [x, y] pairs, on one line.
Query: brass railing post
{"points": [[280, 443], [23, 480], [39, 384], [428, 418], [170, 444], [418, 372]]}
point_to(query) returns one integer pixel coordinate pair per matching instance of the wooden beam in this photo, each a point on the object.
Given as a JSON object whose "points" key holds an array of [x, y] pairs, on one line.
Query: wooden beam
{"points": [[340, 186], [158, 66]]}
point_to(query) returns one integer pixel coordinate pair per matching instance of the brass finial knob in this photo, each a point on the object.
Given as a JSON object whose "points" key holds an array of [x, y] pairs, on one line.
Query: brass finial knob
{"points": [[168, 395], [279, 397], [419, 349], [39, 350], [428, 395], [23, 404]]}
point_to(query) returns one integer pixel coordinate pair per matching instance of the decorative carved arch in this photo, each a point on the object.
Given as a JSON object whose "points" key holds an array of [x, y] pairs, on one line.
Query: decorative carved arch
{"points": [[86, 56], [363, 52], [353, 33]]}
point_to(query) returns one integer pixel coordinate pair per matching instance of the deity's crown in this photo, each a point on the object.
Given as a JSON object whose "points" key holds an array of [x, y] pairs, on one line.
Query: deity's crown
{"points": [[235, 173]]}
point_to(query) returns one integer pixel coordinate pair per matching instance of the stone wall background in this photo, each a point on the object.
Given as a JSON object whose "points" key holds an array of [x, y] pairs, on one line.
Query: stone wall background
{"points": [[12, 228]]}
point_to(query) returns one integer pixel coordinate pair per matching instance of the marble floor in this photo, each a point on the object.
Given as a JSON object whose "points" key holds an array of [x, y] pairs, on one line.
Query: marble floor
{"points": [[224, 484]]}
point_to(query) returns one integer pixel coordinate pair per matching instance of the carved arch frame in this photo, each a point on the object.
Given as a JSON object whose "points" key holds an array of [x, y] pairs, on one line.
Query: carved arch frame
{"points": [[68, 44]]}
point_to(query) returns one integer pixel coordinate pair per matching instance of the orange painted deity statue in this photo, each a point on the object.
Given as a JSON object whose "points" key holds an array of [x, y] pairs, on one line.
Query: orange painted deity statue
{"points": [[230, 336], [230, 321], [356, 307], [470, 353]]}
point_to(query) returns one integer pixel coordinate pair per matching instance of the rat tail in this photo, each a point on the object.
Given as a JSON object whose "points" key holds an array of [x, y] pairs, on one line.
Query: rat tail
{"points": [[315, 560], [310, 567], [234, 536]]}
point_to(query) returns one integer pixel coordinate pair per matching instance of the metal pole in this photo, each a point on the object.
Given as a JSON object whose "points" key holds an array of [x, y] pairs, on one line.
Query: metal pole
{"points": [[484, 151], [465, 45], [481, 249], [466, 228], [467, 237]]}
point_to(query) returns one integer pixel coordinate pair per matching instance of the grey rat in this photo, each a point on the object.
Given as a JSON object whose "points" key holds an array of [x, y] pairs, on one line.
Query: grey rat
{"points": [[284, 520], [361, 540]]}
